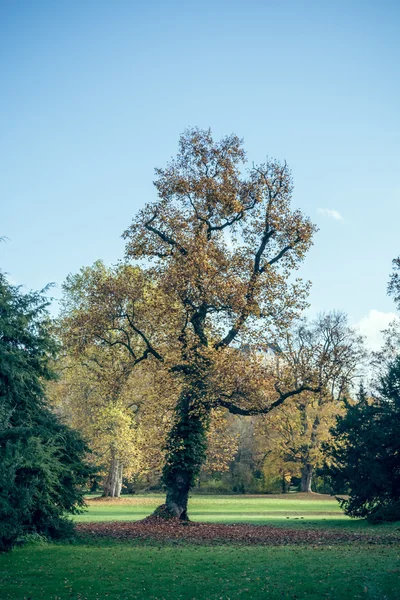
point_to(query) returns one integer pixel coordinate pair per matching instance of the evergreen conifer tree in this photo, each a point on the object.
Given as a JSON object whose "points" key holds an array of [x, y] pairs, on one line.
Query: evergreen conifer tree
{"points": [[366, 452], [42, 467]]}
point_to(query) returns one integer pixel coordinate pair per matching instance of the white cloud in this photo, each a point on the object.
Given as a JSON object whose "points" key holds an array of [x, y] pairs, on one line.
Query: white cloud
{"points": [[332, 214], [371, 327]]}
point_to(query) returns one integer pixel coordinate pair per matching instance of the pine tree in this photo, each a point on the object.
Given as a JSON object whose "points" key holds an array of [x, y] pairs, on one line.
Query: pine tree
{"points": [[366, 452], [42, 466]]}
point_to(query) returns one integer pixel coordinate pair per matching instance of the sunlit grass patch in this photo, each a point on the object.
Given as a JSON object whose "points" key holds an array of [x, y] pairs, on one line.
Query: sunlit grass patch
{"points": [[292, 510]]}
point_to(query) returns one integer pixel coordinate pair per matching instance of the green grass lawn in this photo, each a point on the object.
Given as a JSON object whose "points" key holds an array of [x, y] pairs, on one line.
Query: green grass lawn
{"points": [[122, 571], [293, 511], [91, 569], [260, 509]]}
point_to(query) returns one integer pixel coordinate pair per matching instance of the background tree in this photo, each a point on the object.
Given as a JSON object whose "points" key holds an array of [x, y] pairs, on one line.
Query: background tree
{"points": [[296, 432], [123, 415], [293, 436], [383, 358], [222, 443], [223, 247], [89, 396], [42, 461], [243, 472]]}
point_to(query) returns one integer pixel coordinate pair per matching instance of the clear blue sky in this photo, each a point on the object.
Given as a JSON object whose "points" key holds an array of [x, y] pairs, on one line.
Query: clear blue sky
{"points": [[95, 94]]}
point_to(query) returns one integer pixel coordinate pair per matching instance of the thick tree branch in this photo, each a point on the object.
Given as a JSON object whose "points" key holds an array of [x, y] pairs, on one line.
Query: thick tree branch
{"points": [[238, 217], [257, 271], [237, 410], [265, 239], [282, 252], [149, 350], [136, 360], [140, 333], [163, 236], [227, 223]]}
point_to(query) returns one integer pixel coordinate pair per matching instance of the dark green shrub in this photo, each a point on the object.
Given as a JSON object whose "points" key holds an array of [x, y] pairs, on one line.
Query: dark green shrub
{"points": [[385, 513]]}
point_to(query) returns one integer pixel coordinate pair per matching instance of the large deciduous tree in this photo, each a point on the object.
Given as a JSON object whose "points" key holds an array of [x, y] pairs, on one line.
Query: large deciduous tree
{"points": [[218, 249]]}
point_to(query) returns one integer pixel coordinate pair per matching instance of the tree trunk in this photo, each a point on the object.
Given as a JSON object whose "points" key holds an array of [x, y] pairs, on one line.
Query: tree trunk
{"points": [[186, 451], [113, 482], [118, 487], [306, 477]]}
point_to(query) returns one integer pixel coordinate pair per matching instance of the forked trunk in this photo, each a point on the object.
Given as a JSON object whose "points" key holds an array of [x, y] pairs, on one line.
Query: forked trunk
{"points": [[306, 477]]}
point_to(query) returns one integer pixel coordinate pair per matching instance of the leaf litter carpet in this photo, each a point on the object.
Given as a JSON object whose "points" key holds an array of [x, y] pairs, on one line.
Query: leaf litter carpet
{"points": [[158, 529]]}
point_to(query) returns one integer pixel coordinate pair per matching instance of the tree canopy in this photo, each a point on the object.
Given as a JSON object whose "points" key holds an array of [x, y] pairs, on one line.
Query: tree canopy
{"points": [[217, 250]]}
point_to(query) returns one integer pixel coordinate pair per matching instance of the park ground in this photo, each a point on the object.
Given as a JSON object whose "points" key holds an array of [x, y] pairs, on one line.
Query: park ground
{"points": [[294, 546]]}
